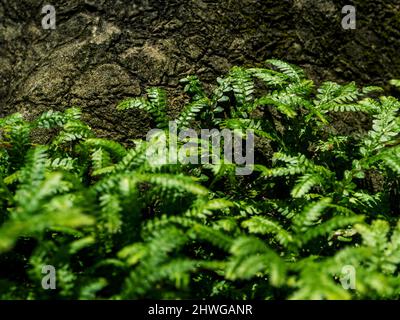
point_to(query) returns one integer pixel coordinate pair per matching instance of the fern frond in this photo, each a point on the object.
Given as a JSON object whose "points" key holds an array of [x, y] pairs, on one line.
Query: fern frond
{"points": [[329, 226], [391, 159], [395, 82], [213, 236], [193, 87], [58, 213], [156, 105], [114, 148], [262, 225], [188, 114], [175, 182], [243, 87], [251, 257], [310, 215], [331, 94], [51, 119], [305, 183], [270, 77], [294, 73], [133, 160]]}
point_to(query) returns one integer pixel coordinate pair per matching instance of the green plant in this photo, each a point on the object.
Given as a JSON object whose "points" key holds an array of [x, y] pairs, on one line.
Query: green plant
{"points": [[116, 225]]}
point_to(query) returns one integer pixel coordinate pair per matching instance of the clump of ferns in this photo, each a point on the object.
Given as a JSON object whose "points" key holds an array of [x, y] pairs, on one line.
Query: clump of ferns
{"points": [[93, 208]]}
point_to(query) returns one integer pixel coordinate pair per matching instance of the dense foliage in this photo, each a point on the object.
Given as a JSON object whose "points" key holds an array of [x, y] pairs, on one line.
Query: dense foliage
{"points": [[118, 226]]}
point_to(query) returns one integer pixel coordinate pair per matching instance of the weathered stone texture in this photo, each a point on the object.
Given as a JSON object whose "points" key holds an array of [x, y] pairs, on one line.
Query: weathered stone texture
{"points": [[106, 50]]}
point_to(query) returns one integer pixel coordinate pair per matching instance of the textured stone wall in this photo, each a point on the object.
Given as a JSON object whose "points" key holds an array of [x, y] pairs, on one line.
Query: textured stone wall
{"points": [[106, 50]]}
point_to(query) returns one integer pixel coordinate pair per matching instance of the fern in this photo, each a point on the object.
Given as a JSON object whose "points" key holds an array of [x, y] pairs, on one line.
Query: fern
{"points": [[121, 221], [156, 105], [188, 114], [294, 73]]}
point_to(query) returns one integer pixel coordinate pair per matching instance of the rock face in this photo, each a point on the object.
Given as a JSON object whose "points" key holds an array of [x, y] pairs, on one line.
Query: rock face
{"points": [[106, 50]]}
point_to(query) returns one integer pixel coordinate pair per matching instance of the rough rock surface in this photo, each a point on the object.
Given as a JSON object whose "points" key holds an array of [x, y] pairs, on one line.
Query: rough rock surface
{"points": [[106, 50]]}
